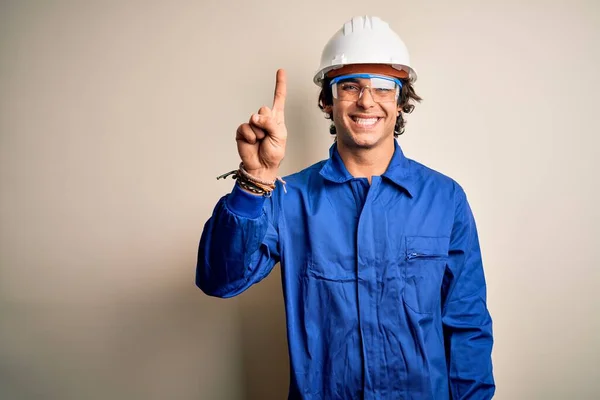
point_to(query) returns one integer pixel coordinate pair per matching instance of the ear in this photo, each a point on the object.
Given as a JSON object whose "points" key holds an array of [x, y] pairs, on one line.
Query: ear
{"points": [[328, 109]]}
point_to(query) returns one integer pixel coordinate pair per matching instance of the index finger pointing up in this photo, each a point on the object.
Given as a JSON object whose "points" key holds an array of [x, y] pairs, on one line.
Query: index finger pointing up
{"points": [[280, 92]]}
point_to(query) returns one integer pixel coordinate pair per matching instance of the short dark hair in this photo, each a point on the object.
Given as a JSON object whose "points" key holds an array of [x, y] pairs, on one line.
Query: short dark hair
{"points": [[406, 101]]}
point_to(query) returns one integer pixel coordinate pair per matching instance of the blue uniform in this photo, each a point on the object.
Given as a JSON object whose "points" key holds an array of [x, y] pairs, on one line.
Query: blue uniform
{"points": [[384, 288]]}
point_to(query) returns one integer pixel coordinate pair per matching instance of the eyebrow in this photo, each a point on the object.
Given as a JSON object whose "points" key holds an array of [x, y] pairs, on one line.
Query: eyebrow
{"points": [[352, 80]]}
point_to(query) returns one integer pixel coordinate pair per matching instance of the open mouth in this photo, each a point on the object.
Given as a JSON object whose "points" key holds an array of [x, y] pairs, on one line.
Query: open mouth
{"points": [[363, 122]]}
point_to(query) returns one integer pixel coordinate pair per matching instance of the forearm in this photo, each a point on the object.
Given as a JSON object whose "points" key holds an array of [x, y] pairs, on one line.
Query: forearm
{"points": [[236, 247], [469, 342]]}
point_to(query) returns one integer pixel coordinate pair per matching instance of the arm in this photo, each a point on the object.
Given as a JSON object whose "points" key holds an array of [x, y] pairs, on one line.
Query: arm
{"points": [[239, 244], [465, 317]]}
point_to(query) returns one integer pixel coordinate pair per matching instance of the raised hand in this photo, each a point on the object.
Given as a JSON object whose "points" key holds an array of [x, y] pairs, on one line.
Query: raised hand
{"points": [[261, 141]]}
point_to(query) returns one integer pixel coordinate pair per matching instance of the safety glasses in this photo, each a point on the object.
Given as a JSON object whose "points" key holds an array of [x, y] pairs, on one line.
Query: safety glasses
{"points": [[352, 86]]}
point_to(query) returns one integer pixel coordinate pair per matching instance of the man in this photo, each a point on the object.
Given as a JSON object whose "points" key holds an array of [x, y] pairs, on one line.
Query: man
{"points": [[383, 282]]}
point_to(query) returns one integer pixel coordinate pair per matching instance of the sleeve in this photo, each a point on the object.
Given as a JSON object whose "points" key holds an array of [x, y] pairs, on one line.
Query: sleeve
{"points": [[239, 244], [465, 317]]}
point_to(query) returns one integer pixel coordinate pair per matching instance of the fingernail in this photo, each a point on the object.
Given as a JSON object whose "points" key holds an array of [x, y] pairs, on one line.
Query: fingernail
{"points": [[256, 118]]}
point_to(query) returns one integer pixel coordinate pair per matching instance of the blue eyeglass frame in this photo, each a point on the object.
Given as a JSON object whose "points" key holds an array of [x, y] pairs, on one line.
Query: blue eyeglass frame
{"points": [[366, 76]]}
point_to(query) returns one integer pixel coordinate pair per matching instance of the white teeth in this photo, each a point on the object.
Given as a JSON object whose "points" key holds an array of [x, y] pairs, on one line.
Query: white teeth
{"points": [[366, 121]]}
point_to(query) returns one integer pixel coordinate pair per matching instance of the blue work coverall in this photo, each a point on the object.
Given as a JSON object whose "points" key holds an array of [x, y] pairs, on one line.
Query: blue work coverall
{"points": [[384, 288]]}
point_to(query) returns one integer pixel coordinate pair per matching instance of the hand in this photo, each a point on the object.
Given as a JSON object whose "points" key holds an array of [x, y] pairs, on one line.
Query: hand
{"points": [[261, 141]]}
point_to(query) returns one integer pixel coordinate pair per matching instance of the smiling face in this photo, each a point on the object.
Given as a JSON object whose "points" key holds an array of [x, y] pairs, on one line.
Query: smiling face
{"points": [[364, 123]]}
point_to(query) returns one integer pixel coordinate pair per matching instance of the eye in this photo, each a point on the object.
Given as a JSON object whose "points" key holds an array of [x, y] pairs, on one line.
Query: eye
{"points": [[384, 90], [350, 87]]}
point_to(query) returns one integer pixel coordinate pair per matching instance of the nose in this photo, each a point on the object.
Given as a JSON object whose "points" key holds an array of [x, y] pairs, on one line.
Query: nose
{"points": [[365, 99]]}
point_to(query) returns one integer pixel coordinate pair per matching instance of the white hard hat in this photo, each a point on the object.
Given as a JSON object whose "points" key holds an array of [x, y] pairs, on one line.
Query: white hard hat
{"points": [[364, 40]]}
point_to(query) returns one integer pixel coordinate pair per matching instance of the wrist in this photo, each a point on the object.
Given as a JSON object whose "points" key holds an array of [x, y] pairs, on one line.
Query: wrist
{"points": [[262, 181], [265, 174]]}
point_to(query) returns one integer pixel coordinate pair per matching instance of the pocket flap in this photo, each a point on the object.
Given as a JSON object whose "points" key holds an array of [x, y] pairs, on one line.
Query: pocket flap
{"points": [[426, 246]]}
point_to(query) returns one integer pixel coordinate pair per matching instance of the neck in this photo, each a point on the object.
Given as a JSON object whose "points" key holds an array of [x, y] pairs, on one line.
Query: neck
{"points": [[366, 162]]}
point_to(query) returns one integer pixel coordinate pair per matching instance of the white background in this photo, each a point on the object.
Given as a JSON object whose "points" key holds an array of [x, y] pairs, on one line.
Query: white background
{"points": [[116, 117]]}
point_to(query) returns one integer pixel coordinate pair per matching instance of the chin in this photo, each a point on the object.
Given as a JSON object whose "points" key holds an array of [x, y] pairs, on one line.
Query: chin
{"points": [[362, 140]]}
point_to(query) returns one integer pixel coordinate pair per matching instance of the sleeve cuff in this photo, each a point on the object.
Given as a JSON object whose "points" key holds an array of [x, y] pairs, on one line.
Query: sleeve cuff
{"points": [[245, 204]]}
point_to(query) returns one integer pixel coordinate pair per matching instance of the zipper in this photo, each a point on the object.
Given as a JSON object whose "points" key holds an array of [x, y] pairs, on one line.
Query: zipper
{"points": [[413, 255]]}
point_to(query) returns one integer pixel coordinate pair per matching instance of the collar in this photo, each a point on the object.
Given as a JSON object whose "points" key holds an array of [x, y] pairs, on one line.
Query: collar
{"points": [[398, 171]]}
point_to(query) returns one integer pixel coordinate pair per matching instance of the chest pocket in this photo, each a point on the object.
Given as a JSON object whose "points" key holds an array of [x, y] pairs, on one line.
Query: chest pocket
{"points": [[424, 264]]}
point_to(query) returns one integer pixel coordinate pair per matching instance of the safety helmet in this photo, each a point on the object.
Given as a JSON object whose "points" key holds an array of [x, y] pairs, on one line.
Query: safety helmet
{"points": [[364, 40]]}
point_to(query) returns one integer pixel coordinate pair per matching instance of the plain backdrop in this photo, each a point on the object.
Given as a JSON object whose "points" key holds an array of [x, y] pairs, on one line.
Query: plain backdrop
{"points": [[116, 117]]}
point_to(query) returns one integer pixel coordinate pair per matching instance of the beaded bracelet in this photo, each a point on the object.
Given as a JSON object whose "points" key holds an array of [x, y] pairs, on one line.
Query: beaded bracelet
{"points": [[252, 183]]}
